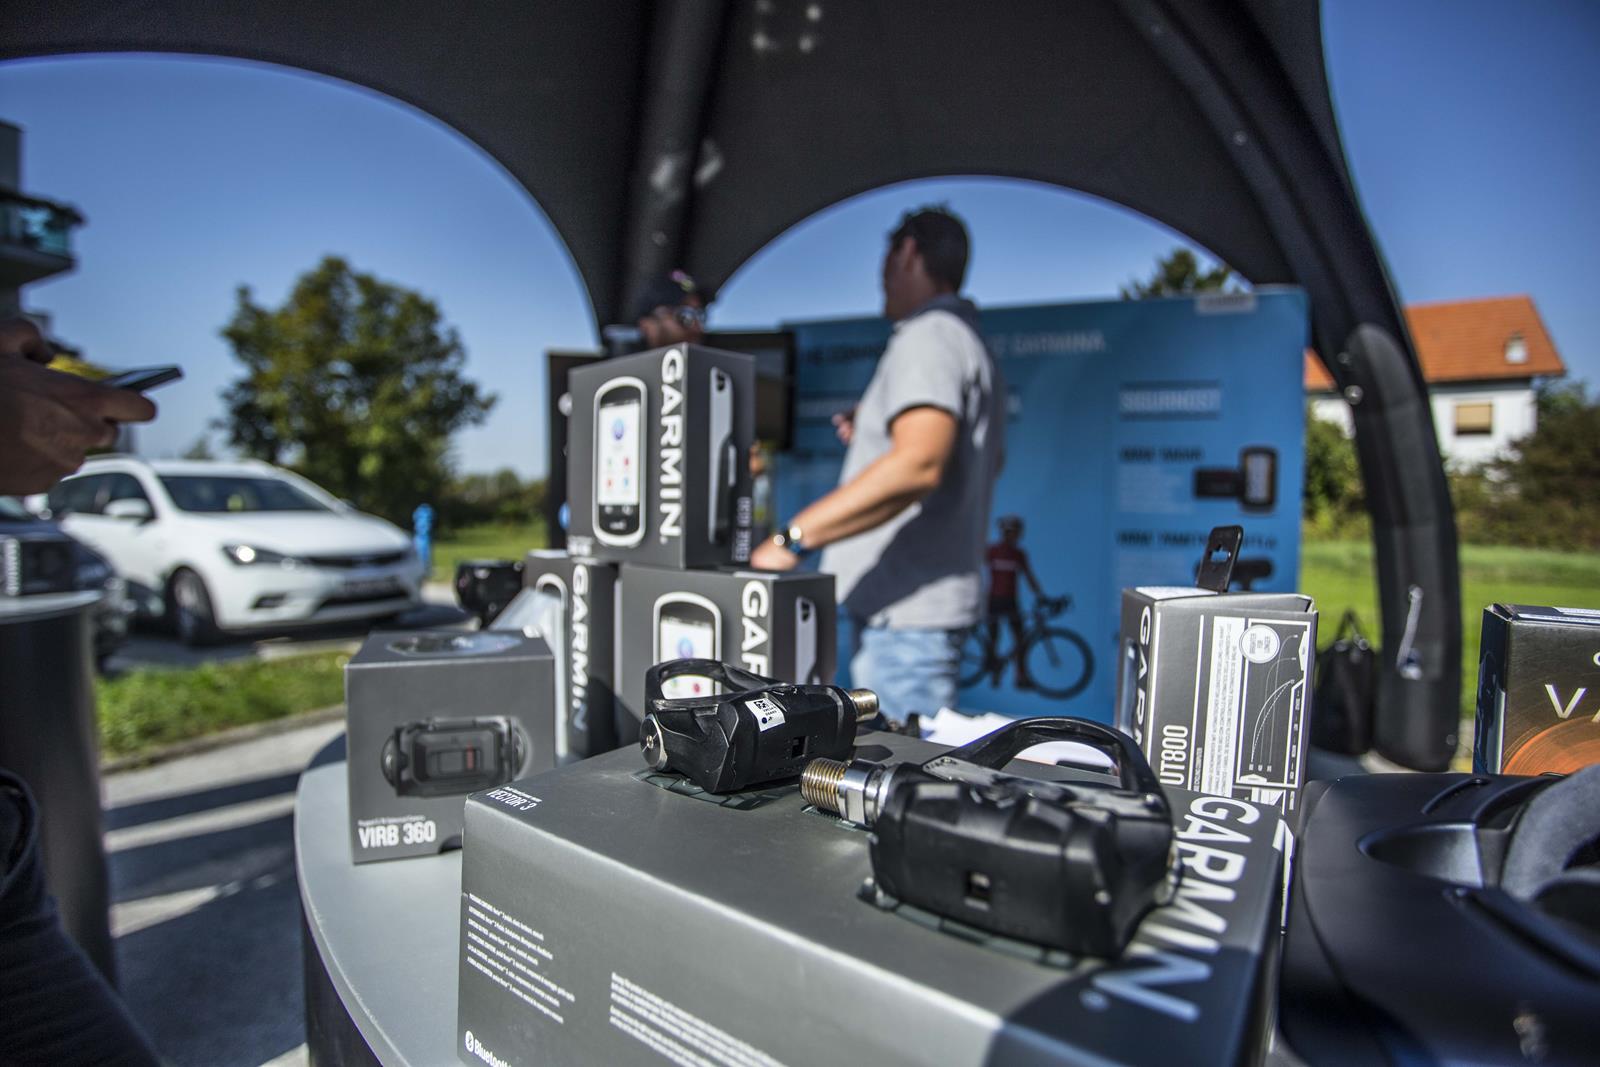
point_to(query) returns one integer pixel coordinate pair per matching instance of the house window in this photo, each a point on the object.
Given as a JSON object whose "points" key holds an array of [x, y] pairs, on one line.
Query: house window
{"points": [[1474, 419], [1516, 349]]}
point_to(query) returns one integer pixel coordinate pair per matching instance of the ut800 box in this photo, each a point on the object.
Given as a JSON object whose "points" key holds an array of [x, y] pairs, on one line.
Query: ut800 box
{"points": [[1216, 688]]}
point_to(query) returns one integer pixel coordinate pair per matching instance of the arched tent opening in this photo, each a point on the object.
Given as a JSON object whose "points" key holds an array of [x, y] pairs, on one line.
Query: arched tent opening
{"points": [[1032, 242], [683, 133]]}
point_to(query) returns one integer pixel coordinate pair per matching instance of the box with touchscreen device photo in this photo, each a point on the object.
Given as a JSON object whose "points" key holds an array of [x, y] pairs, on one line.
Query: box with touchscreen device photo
{"points": [[658, 458]]}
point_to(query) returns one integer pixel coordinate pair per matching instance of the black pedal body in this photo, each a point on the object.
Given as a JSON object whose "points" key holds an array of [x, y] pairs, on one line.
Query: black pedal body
{"points": [[749, 730], [1070, 865], [485, 586]]}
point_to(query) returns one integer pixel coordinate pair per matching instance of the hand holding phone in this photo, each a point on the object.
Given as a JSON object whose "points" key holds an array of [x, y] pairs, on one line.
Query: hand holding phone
{"points": [[142, 378], [49, 420]]}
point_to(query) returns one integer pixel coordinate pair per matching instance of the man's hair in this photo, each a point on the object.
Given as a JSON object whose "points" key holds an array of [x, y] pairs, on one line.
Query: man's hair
{"points": [[941, 238]]}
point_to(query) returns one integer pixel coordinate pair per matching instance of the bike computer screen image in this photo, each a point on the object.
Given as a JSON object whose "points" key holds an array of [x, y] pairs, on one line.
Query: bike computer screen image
{"points": [[687, 628], [1258, 468], [805, 642], [619, 473]]}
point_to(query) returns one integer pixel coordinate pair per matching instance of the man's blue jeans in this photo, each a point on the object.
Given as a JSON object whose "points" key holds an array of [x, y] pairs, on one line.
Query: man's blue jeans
{"points": [[910, 670]]}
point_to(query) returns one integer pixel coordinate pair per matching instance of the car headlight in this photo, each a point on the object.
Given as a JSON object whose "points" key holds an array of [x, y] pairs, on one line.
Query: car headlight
{"points": [[249, 555]]}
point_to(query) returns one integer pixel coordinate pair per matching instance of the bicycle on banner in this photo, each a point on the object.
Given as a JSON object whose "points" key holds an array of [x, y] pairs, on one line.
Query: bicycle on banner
{"points": [[1049, 659]]}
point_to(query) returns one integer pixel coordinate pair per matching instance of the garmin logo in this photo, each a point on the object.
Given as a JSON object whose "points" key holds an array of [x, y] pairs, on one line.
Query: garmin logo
{"points": [[671, 492], [1176, 942], [755, 607], [1048, 343], [478, 1049], [1141, 678], [578, 683]]}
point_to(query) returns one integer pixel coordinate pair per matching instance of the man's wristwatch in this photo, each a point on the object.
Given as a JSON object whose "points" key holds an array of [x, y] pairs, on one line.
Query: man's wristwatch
{"points": [[791, 538]]}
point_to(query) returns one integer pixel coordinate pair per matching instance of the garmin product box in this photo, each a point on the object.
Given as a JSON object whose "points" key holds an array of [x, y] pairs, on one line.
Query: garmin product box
{"points": [[432, 715], [1216, 688], [657, 457], [778, 625], [575, 606], [1538, 690], [611, 915]]}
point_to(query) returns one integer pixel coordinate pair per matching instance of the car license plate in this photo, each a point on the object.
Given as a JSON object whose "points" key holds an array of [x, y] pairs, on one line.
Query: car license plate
{"points": [[370, 586]]}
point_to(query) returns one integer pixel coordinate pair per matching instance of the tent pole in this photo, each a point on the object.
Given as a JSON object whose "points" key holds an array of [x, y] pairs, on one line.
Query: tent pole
{"points": [[681, 60], [1235, 79]]}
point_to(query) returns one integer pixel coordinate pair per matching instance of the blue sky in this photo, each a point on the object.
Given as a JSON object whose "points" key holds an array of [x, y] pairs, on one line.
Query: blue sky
{"points": [[1469, 127]]}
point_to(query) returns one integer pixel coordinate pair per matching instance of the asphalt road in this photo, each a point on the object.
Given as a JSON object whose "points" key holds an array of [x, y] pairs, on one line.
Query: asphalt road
{"points": [[150, 647], [205, 908]]}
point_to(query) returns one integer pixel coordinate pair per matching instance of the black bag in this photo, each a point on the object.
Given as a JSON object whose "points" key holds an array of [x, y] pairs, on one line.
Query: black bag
{"points": [[1346, 691]]}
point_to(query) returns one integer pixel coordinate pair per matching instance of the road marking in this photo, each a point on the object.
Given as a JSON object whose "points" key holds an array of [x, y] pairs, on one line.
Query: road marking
{"points": [[131, 916], [230, 817]]}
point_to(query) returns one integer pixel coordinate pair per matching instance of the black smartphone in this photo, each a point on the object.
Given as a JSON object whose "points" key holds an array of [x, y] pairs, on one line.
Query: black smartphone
{"points": [[619, 496], [142, 378]]}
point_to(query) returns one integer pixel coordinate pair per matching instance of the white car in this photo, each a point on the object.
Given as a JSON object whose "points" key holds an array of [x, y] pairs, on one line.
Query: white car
{"points": [[219, 546]]}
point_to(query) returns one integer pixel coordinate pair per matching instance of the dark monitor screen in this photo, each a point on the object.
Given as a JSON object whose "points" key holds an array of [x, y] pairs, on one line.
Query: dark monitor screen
{"points": [[773, 351]]}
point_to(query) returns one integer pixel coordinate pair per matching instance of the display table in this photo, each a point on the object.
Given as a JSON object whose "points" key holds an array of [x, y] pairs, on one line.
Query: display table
{"points": [[380, 944]]}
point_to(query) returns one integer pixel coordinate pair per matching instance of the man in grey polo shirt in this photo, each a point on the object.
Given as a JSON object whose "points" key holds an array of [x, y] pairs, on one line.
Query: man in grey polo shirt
{"points": [[905, 530]]}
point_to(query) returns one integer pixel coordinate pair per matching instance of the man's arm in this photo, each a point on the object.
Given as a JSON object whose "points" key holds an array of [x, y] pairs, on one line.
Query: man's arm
{"points": [[921, 441]]}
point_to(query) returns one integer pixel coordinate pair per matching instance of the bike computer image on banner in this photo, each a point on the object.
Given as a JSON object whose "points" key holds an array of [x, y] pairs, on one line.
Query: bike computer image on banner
{"points": [[1133, 427]]}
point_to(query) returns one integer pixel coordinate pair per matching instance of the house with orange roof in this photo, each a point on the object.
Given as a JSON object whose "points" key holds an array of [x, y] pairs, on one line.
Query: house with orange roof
{"points": [[1480, 359]]}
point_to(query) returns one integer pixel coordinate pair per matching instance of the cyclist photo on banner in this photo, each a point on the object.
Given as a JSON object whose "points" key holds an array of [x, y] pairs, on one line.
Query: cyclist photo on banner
{"points": [[1051, 660]]}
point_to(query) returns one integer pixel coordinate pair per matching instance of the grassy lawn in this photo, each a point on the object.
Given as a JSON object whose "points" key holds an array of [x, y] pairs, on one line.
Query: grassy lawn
{"points": [[145, 709], [484, 542], [1341, 574]]}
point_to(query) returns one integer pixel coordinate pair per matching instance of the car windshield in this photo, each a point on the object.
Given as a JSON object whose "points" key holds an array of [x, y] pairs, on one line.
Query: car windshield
{"points": [[229, 493], [11, 508]]}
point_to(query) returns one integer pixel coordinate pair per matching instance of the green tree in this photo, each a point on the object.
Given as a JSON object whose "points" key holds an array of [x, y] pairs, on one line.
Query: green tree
{"points": [[1545, 492], [501, 497], [201, 449], [356, 384], [1334, 502], [1177, 273]]}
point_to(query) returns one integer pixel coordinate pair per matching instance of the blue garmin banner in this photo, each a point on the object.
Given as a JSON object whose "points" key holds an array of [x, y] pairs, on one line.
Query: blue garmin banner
{"points": [[1134, 428]]}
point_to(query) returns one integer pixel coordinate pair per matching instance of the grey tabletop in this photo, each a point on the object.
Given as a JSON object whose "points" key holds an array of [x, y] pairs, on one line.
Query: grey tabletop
{"points": [[387, 932]]}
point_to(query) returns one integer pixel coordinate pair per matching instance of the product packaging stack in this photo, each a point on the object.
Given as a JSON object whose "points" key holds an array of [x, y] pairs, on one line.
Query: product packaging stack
{"points": [[432, 715], [1215, 686], [658, 484], [1538, 690]]}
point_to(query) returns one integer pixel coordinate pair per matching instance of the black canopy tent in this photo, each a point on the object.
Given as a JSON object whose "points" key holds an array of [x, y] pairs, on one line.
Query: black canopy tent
{"points": [[659, 133]]}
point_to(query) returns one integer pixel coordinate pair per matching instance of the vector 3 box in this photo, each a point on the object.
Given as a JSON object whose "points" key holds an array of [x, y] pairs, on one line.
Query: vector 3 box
{"points": [[777, 625], [658, 458], [1538, 690], [1215, 687], [432, 715], [609, 919]]}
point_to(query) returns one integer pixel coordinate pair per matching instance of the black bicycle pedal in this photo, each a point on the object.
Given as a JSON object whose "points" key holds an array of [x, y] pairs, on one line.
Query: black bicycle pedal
{"points": [[1073, 865], [755, 730]]}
